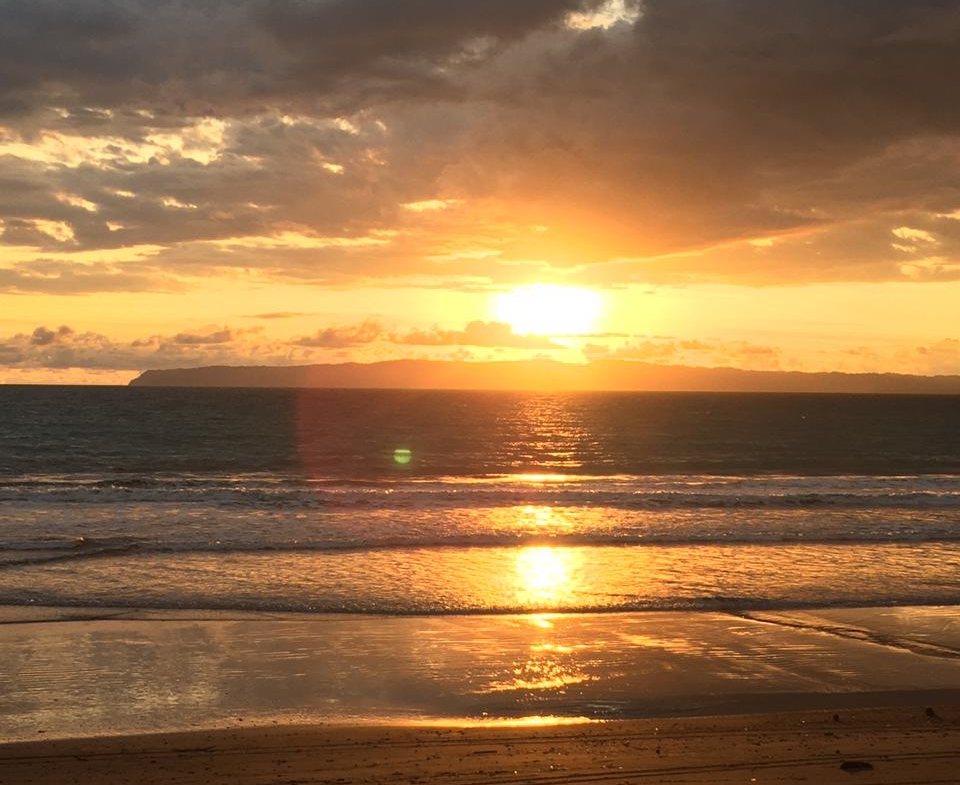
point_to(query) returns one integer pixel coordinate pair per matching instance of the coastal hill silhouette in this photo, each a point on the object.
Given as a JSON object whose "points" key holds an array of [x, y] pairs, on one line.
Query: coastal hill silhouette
{"points": [[612, 375]]}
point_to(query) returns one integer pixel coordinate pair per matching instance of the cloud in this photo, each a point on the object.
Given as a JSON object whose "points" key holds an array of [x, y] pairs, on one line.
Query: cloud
{"points": [[477, 333], [11, 355], [217, 336], [668, 351], [119, 53], [661, 144], [393, 43], [941, 357], [342, 337], [46, 350], [278, 315], [740, 120], [44, 337], [65, 348]]}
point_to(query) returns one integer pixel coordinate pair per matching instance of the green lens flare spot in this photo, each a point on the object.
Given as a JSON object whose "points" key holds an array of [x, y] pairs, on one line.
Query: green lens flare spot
{"points": [[402, 455]]}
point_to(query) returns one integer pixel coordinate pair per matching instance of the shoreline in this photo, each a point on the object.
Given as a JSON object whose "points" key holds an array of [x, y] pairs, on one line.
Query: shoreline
{"points": [[904, 745], [91, 672], [211, 698]]}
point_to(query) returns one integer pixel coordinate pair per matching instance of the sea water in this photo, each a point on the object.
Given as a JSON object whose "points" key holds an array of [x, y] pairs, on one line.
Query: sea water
{"points": [[432, 503]]}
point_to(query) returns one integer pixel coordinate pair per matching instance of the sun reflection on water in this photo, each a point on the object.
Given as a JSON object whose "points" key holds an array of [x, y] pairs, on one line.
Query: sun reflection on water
{"points": [[551, 665], [540, 478], [543, 576], [542, 620], [534, 523], [543, 517], [541, 673]]}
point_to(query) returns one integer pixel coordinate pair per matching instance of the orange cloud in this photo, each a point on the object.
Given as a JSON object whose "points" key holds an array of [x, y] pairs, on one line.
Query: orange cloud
{"points": [[477, 333], [342, 337]]}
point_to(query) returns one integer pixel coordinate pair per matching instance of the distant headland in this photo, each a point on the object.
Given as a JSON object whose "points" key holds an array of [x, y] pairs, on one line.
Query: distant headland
{"points": [[612, 375]]}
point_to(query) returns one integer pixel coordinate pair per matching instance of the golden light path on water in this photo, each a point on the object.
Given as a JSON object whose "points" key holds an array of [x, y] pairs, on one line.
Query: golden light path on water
{"points": [[548, 667], [544, 577]]}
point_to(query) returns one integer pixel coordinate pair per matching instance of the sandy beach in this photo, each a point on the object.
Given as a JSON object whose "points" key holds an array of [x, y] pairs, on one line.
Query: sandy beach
{"points": [[696, 698], [67, 673], [912, 744]]}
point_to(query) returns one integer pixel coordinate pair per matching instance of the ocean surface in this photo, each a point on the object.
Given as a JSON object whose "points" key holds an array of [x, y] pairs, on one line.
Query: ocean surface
{"points": [[441, 503]]}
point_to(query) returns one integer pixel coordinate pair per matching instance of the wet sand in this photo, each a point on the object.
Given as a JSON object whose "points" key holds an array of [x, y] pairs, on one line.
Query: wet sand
{"points": [[706, 697], [909, 744], [68, 672]]}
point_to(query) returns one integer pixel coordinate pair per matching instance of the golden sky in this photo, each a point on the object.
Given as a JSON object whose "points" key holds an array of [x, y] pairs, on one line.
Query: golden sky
{"points": [[747, 183]]}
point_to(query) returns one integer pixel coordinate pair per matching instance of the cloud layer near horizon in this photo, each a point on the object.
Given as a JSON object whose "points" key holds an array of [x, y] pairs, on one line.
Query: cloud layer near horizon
{"points": [[144, 145], [63, 348]]}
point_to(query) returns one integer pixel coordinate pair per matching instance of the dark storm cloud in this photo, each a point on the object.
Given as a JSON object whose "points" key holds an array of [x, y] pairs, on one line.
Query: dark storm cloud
{"points": [[109, 53], [395, 46], [645, 151], [66, 278], [182, 53], [719, 120], [781, 95], [857, 70], [128, 69]]}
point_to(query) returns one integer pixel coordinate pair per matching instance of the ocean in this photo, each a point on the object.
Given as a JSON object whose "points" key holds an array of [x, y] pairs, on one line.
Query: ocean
{"points": [[412, 503]]}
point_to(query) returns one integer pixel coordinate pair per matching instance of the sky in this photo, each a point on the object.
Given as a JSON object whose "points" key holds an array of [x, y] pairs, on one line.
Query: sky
{"points": [[745, 183]]}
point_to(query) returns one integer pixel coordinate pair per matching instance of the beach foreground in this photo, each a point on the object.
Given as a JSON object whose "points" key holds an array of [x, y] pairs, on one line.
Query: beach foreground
{"points": [[914, 744], [69, 673]]}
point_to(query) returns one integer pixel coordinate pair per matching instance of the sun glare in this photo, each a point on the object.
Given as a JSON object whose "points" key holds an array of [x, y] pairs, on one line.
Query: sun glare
{"points": [[544, 576], [548, 309]]}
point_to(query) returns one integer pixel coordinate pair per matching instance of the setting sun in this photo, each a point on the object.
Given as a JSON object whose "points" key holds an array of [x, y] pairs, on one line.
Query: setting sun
{"points": [[548, 309]]}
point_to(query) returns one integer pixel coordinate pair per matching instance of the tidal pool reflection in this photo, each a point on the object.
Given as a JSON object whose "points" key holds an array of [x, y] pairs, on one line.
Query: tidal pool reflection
{"points": [[541, 672], [146, 672], [550, 666]]}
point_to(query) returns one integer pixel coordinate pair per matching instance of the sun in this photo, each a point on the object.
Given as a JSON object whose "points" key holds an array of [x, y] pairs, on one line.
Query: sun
{"points": [[548, 309]]}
